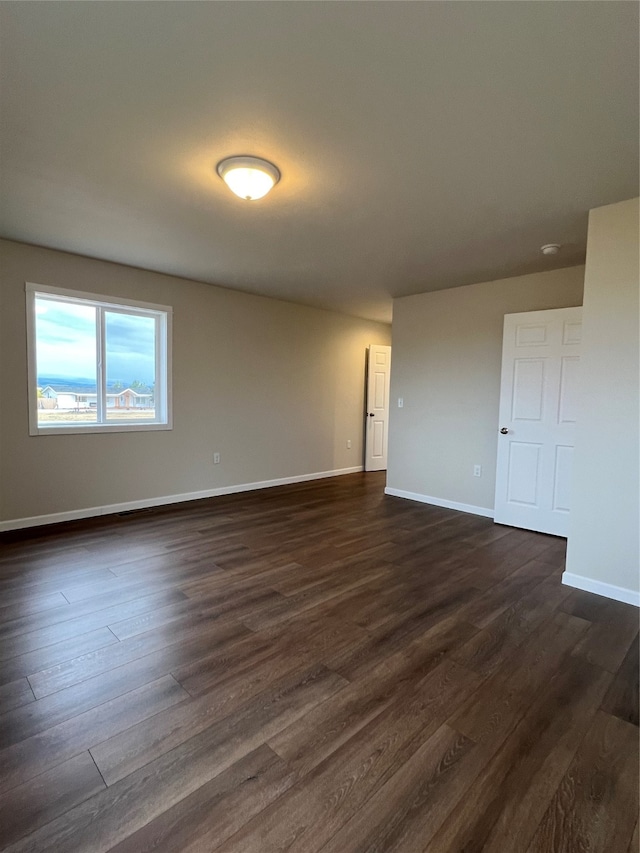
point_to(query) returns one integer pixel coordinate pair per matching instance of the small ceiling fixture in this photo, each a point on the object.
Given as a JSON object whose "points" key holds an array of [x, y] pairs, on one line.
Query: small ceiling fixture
{"points": [[550, 249], [248, 177]]}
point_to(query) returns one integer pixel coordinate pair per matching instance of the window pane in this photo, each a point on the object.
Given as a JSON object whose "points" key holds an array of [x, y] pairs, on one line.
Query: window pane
{"points": [[66, 362], [131, 366], [69, 333]]}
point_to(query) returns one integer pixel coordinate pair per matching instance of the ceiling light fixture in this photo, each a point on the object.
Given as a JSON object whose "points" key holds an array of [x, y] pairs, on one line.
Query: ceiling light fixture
{"points": [[550, 249], [248, 177]]}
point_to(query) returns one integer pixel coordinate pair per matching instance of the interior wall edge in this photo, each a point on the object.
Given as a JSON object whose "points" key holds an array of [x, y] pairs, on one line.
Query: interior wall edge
{"points": [[607, 590], [429, 499], [163, 500]]}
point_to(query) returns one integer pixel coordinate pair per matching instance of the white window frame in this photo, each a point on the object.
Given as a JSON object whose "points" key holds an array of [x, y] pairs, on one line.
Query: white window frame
{"points": [[163, 315]]}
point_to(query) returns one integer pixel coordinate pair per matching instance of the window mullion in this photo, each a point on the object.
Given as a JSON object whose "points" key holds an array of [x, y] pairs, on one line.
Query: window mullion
{"points": [[101, 377]]}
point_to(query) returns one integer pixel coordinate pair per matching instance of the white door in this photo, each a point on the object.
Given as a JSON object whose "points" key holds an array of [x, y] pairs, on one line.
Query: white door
{"points": [[377, 414], [538, 399]]}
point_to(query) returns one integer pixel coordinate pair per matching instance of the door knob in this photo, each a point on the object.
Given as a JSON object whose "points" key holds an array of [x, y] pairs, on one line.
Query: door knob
{"points": [[504, 431], [371, 415]]}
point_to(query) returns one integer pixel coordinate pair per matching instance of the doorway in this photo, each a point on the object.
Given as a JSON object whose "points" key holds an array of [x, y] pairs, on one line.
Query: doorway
{"points": [[538, 401], [376, 427]]}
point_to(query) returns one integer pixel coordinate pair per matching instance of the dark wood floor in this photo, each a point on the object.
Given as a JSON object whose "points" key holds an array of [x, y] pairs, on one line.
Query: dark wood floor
{"points": [[311, 668]]}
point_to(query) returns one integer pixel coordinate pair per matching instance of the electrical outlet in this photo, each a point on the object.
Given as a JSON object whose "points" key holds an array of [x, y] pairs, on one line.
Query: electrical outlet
{"points": [[477, 470], [216, 458], [400, 402], [348, 444]]}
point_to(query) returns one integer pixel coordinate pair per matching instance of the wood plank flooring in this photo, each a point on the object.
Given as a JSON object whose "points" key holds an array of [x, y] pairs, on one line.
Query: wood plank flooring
{"points": [[314, 668]]}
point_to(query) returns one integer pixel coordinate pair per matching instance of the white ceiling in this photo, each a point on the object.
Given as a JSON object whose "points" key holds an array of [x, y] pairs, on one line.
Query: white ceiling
{"points": [[422, 145]]}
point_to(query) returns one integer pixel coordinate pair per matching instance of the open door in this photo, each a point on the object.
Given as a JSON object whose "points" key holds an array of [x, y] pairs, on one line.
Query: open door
{"points": [[377, 413], [538, 399]]}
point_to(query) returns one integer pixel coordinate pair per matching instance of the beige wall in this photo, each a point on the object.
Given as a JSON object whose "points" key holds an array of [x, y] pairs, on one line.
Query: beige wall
{"points": [[603, 539], [447, 348], [276, 388]]}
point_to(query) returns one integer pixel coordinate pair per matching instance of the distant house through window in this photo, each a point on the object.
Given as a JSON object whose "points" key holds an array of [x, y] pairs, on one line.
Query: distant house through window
{"points": [[97, 363]]}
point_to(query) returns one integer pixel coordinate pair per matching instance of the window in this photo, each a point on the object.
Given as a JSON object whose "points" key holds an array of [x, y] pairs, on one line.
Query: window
{"points": [[96, 363]]}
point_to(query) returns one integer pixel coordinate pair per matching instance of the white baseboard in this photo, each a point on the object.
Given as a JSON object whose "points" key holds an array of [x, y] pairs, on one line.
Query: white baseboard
{"points": [[608, 590], [428, 499], [145, 503]]}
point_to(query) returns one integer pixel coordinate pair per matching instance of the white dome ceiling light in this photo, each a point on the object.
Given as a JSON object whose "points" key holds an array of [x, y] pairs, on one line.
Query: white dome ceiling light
{"points": [[550, 249], [248, 177]]}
